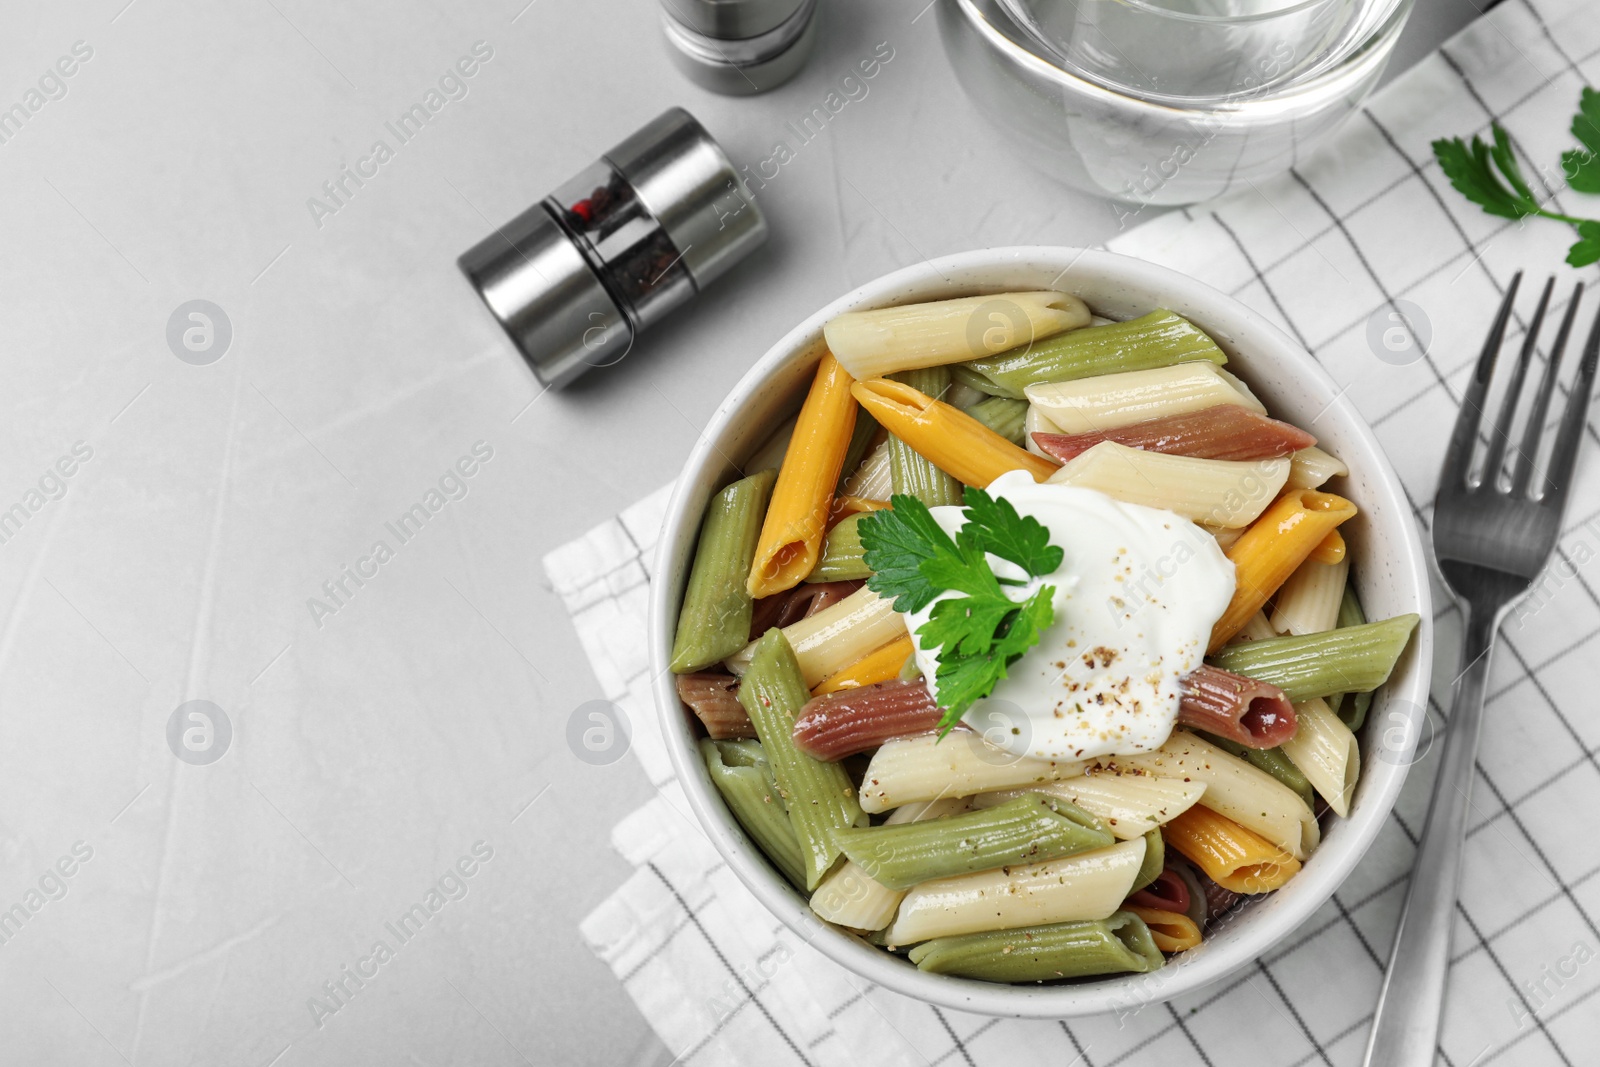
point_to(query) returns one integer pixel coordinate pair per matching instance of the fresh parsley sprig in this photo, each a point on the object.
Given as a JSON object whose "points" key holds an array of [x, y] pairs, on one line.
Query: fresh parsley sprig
{"points": [[981, 633], [1489, 176]]}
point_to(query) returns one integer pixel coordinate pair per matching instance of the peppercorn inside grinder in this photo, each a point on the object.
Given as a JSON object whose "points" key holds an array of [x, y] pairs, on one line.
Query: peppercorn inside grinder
{"points": [[576, 277]]}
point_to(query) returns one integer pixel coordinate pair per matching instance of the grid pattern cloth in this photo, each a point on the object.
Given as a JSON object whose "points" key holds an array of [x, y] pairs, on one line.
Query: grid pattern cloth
{"points": [[1324, 251]]}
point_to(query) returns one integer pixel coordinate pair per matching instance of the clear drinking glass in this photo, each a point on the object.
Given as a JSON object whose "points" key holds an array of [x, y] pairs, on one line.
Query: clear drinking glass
{"points": [[1168, 101]]}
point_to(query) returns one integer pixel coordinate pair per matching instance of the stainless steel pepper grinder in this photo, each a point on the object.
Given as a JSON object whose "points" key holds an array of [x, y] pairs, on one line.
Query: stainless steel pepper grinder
{"points": [[641, 230], [739, 47]]}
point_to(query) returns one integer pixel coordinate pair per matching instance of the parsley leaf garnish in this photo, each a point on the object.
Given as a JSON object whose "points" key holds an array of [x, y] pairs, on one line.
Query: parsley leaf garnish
{"points": [[1488, 175], [980, 634], [999, 530], [1582, 166]]}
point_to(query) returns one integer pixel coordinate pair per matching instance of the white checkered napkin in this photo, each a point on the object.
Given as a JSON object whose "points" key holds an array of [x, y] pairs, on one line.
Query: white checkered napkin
{"points": [[1320, 251]]}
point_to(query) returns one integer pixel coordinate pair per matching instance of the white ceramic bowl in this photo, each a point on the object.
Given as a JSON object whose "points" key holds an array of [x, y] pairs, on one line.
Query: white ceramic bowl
{"points": [[1387, 562]]}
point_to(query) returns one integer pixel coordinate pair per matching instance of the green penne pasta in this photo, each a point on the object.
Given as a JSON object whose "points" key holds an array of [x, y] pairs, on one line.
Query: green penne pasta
{"points": [[1158, 339], [964, 374], [909, 471], [1155, 858], [842, 556], [1351, 707], [1029, 829], [1353, 710], [741, 773], [820, 796], [1271, 760], [1350, 613], [1353, 659], [860, 438], [715, 620], [1119, 944], [1002, 415]]}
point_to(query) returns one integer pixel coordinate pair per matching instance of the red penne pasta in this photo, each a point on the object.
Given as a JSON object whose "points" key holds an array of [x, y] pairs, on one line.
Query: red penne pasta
{"points": [[1225, 431], [711, 696], [1236, 708], [1169, 892], [1218, 899], [795, 604], [841, 724]]}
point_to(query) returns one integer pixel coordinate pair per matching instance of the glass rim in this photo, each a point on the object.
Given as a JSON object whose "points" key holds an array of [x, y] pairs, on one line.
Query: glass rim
{"points": [[1060, 70], [1227, 20]]}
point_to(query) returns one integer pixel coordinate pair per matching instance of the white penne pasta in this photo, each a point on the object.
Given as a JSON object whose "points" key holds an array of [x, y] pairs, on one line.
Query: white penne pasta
{"points": [[1249, 796], [963, 396], [770, 455], [1225, 536], [1257, 629], [872, 480], [1090, 885], [1217, 492], [1326, 752], [1130, 805], [851, 897], [1107, 401], [909, 769], [1310, 467], [872, 344], [835, 637], [1034, 421], [1308, 603]]}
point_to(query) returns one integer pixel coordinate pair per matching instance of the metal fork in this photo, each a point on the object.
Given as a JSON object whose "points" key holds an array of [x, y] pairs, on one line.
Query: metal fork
{"points": [[1491, 539]]}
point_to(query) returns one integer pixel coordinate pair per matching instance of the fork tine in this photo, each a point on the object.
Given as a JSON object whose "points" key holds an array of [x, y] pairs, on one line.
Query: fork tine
{"points": [[1565, 454], [1528, 454], [1458, 456], [1496, 454]]}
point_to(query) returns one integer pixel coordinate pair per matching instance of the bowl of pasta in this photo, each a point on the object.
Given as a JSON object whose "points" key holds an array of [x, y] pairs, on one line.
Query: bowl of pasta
{"points": [[1040, 632]]}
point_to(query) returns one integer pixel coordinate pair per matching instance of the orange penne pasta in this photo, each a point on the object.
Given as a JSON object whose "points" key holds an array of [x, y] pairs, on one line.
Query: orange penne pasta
{"points": [[950, 439], [797, 517], [879, 665], [846, 506], [1172, 931], [1272, 548], [1233, 857], [1331, 550]]}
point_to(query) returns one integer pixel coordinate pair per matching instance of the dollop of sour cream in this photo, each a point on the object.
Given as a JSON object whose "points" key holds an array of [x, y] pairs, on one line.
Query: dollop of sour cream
{"points": [[1136, 596]]}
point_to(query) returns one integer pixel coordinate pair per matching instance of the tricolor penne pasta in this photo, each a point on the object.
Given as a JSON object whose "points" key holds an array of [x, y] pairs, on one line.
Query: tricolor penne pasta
{"points": [[1223, 431], [879, 665], [1234, 788], [1158, 339], [713, 697], [852, 898], [835, 637], [851, 721], [1308, 601], [791, 536], [1030, 644], [1230, 855], [1273, 548], [1327, 754], [875, 344], [952, 440], [1129, 804], [1244, 710], [1088, 886], [1217, 492], [1310, 467], [872, 479], [909, 769], [1091, 405]]}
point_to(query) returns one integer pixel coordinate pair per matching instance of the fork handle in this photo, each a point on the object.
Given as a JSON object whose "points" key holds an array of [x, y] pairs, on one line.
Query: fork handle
{"points": [[1405, 1029]]}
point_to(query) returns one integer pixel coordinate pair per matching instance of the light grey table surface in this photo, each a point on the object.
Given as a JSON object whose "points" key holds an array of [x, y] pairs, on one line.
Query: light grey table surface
{"points": [[375, 745]]}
